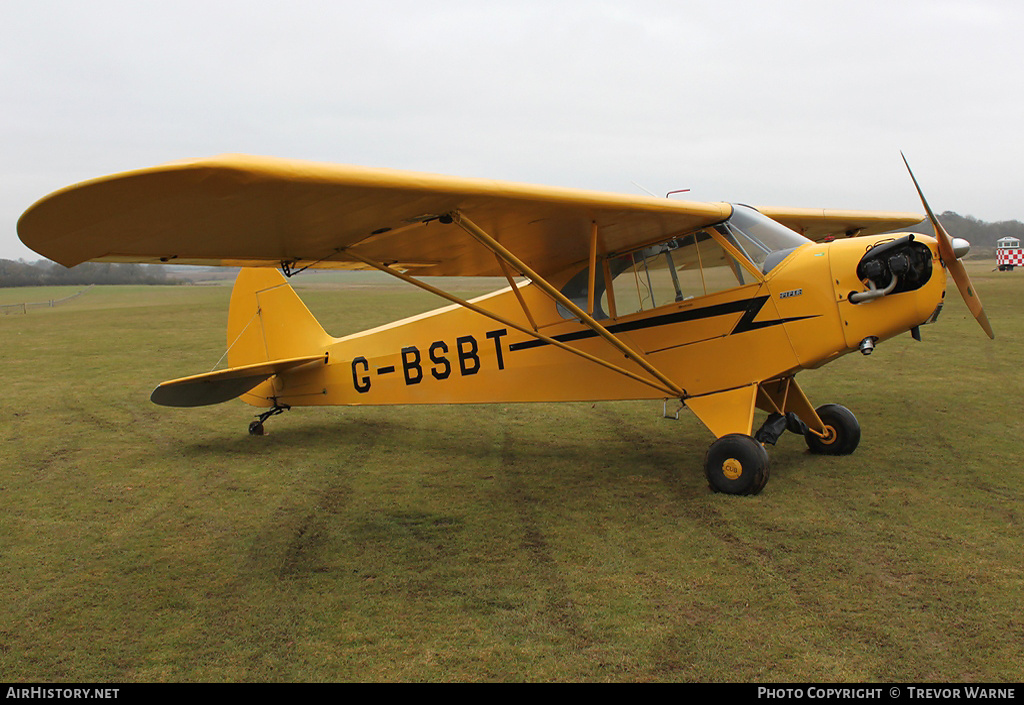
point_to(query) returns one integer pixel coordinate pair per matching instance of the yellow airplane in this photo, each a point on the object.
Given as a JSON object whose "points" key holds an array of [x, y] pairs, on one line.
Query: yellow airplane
{"points": [[609, 296]]}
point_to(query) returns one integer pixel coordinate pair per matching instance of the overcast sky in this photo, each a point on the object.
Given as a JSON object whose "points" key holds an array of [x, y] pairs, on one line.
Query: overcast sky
{"points": [[784, 102]]}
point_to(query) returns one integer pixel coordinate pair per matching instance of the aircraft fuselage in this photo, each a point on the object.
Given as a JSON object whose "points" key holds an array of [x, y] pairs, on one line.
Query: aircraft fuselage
{"points": [[798, 316]]}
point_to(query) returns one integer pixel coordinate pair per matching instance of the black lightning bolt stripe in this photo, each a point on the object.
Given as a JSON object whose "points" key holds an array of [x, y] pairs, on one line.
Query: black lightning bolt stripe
{"points": [[750, 308]]}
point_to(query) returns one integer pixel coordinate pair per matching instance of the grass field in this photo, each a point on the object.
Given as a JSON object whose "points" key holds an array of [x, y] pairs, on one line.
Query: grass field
{"points": [[571, 542]]}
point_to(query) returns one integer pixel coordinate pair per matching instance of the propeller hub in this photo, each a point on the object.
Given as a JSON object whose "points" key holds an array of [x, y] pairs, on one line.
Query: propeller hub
{"points": [[961, 247]]}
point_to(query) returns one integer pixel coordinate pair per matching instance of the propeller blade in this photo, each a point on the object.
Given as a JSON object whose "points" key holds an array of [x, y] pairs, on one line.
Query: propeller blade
{"points": [[963, 283], [953, 265]]}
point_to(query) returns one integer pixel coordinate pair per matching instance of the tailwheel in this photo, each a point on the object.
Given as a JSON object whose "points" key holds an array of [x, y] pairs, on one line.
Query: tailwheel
{"points": [[736, 464], [842, 431], [256, 427]]}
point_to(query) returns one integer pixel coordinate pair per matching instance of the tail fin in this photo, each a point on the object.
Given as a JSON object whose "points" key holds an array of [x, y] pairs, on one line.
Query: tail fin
{"points": [[268, 321]]}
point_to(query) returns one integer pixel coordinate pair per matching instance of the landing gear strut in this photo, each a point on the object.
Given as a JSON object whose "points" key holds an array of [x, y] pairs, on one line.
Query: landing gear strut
{"points": [[256, 427], [842, 431]]}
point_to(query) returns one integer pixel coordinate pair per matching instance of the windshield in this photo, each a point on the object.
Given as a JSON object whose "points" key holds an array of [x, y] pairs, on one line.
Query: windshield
{"points": [[764, 241]]}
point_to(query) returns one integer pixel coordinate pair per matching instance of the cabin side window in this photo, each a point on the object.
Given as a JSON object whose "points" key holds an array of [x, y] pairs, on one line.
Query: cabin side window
{"points": [[691, 265], [684, 268]]}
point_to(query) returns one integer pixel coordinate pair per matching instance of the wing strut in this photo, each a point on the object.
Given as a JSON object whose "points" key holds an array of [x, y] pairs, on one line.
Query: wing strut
{"points": [[592, 278], [515, 289], [506, 322], [494, 246]]}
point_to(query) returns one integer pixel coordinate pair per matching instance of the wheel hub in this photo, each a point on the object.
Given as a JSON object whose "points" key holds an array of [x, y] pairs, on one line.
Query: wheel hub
{"points": [[732, 469]]}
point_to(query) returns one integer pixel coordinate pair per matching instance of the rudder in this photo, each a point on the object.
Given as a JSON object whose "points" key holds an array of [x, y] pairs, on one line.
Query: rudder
{"points": [[268, 321]]}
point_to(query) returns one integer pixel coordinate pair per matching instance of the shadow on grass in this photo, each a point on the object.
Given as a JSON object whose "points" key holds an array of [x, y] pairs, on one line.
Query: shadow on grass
{"points": [[342, 436]]}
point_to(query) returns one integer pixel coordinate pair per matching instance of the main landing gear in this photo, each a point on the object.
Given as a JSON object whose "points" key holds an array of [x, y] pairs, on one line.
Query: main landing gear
{"points": [[738, 464], [256, 427]]}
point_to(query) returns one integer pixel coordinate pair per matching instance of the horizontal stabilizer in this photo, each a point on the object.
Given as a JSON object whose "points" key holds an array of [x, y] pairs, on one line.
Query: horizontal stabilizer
{"points": [[223, 385]]}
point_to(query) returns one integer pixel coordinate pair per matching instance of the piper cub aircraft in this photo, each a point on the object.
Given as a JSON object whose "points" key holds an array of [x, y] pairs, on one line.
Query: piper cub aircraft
{"points": [[609, 296]]}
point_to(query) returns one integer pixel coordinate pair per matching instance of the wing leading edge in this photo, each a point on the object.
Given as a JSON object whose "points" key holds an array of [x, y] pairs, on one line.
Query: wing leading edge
{"points": [[239, 210]]}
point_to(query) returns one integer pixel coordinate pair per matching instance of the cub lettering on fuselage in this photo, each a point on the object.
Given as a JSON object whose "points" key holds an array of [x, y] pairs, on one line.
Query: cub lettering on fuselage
{"points": [[443, 360]]}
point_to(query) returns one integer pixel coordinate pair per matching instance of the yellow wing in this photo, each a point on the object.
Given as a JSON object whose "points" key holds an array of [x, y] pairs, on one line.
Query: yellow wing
{"points": [[240, 210], [818, 224]]}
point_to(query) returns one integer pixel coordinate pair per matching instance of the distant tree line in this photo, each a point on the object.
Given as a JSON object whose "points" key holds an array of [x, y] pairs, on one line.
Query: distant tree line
{"points": [[47, 273], [981, 235]]}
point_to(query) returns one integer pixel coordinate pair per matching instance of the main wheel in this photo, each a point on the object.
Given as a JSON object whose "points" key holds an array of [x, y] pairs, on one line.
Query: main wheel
{"points": [[842, 432], [736, 464]]}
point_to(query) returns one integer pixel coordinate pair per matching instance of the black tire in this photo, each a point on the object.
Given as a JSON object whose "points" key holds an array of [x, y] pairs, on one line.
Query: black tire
{"points": [[842, 428], [256, 428], [736, 464]]}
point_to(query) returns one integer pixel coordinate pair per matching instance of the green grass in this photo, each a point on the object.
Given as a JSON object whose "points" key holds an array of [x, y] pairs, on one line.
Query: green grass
{"points": [[496, 543]]}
